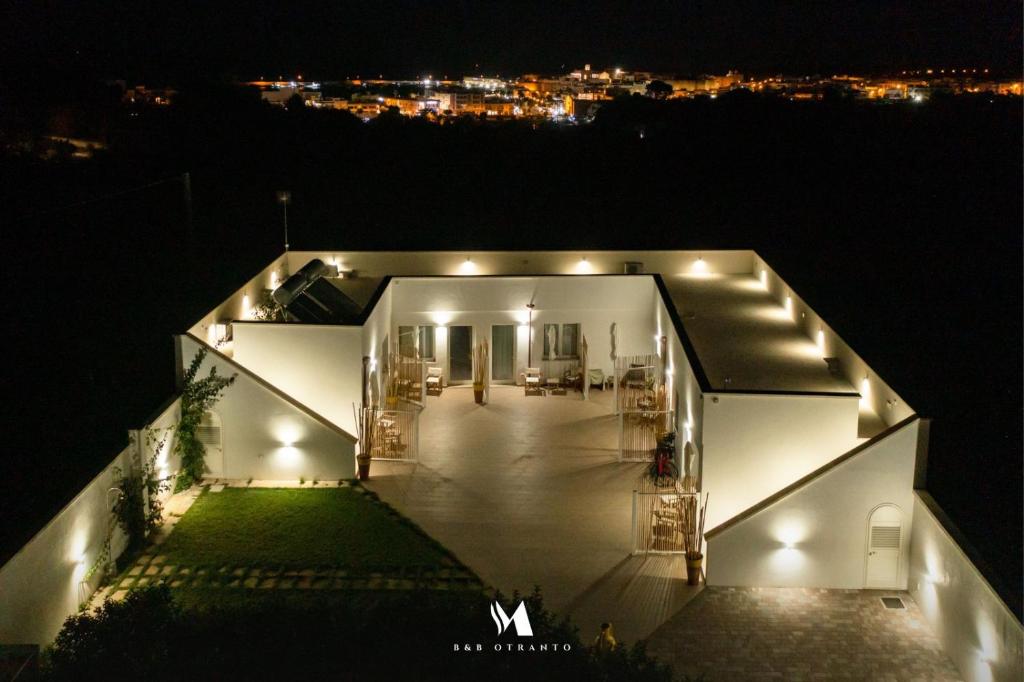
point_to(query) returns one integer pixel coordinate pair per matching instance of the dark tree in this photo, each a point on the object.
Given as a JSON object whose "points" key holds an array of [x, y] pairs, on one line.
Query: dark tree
{"points": [[659, 89]]}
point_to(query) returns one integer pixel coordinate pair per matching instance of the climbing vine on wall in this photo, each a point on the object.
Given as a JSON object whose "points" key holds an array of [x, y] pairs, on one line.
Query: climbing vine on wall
{"points": [[197, 397], [138, 509]]}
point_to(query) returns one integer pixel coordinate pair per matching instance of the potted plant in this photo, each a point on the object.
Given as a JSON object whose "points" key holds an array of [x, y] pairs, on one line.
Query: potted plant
{"points": [[480, 355], [363, 460], [366, 424], [693, 538]]}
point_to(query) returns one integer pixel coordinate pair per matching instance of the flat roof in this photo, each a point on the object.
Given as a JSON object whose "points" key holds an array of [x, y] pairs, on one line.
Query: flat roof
{"points": [[738, 335], [745, 340]]}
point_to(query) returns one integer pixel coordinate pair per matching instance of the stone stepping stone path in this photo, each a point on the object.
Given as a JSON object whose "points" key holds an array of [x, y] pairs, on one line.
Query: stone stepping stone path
{"points": [[155, 568]]}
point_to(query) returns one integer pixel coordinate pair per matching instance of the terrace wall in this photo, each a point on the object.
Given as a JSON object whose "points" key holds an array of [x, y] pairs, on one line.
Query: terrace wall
{"points": [[267, 434], [45, 582], [823, 520], [979, 633], [755, 445], [318, 365]]}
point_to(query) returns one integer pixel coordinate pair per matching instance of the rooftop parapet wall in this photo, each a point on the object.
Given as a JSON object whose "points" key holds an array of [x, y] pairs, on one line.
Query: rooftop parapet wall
{"points": [[373, 266], [878, 396], [491, 263]]}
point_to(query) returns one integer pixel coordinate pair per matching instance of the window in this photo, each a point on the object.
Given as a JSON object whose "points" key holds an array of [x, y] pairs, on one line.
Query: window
{"points": [[561, 341], [416, 341], [427, 342]]}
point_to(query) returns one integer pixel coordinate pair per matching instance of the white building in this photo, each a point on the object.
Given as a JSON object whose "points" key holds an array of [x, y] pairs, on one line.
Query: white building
{"points": [[809, 457]]}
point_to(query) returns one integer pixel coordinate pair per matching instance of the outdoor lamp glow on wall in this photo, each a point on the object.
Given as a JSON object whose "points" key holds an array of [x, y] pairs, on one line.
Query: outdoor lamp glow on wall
{"points": [[246, 306], [468, 267], [789, 306], [764, 278], [865, 391], [699, 266], [820, 340], [583, 267]]}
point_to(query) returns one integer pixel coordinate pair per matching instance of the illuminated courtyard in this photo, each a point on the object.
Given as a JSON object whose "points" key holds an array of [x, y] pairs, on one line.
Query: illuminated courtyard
{"points": [[529, 491]]}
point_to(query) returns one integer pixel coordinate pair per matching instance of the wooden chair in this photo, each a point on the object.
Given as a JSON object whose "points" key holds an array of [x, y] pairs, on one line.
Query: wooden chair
{"points": [[435, 381], [533, 381]]}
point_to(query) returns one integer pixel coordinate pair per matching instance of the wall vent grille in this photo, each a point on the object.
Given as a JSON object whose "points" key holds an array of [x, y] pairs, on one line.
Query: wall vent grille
{"points": [[885, 537]]}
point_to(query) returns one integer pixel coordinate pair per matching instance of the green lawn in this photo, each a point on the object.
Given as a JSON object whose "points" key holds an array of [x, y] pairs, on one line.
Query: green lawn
{"points": [[291, 528]]}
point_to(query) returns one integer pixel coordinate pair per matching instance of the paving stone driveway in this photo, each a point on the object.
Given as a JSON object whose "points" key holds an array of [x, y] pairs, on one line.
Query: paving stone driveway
{"points": [[800, 634]]}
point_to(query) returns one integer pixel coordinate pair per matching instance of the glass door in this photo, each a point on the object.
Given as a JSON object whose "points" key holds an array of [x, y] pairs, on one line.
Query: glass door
{"points": [[460, 354], [503, 355]]}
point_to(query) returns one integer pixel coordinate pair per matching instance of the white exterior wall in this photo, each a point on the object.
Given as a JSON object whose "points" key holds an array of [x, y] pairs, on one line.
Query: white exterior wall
{"points": [[375, 331], [690, 408], [266, 435], [756, 445], [594, 302], [44, 583], [825, 521], [319, 365], [979, 633]]}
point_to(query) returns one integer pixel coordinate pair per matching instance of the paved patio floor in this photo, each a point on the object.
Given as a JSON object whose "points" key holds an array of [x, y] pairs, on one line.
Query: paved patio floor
{"points": [[800, 634], [528, 490]]}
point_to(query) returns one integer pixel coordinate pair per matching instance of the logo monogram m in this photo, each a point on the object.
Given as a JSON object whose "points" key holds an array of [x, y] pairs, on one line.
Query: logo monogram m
{"points": [[519, 617]]}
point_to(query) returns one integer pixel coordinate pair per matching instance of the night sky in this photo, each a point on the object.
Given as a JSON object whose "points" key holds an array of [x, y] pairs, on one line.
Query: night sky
{"points": [[409, 38]]}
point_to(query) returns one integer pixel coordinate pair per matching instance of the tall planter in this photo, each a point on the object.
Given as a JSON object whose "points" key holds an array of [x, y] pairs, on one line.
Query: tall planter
{"points": [[481, 355], [694, 561], [363, 461]]}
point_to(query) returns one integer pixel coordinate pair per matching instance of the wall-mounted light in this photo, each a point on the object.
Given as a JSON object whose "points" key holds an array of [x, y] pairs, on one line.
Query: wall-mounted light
{"points": [[468, 267], [699, 266], [246, 307], [865, 391], [820, 340], [789, 306], [764, 278], [583, 267]]}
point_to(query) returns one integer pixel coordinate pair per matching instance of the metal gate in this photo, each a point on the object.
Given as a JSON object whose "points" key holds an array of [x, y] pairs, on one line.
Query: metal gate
{"points": [[643, 406], [392, 435], [663, 518]]}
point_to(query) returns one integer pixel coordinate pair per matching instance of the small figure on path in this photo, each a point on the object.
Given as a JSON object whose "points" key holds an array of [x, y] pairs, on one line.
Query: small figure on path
{"points": [[605, 640]]}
